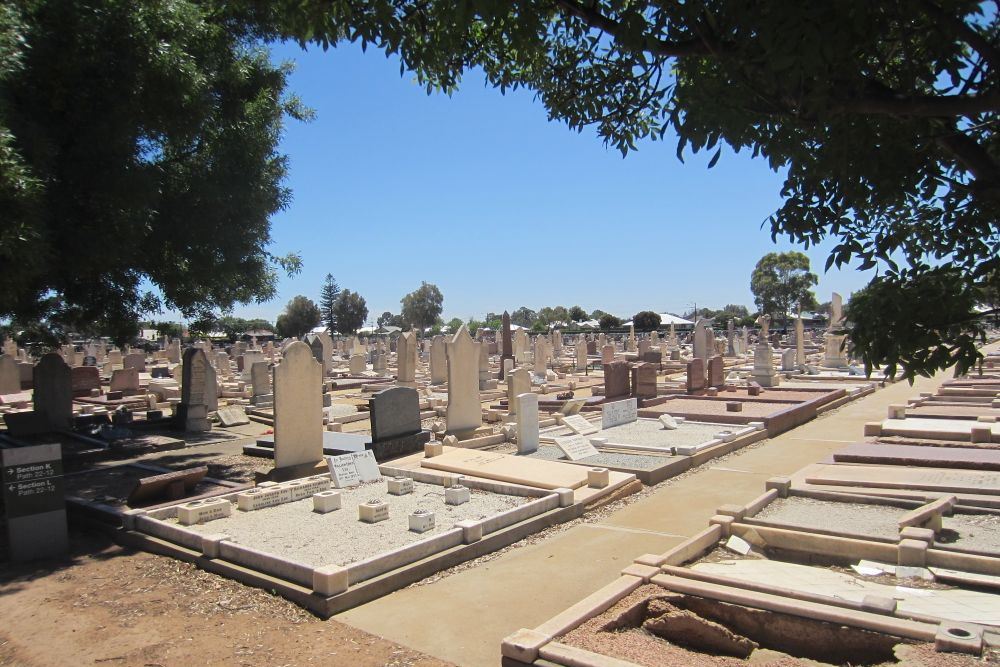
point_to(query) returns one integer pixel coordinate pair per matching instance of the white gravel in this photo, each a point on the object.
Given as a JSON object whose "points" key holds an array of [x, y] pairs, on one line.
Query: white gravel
{"points": [[294, 531]]}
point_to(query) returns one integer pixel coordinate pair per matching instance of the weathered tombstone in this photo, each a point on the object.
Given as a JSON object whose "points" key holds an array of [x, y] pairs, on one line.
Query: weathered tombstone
{"points": [[695, 375], [406, 359], [836, 312], [541, 355], [800, 343], [834, 356], [464, 413], [395, 422], [222, 364], [298, 412], [115, 358], [53, 392], [616, 379], [484, 367], [581, 355], [211, 388], [607, 354], [136, 360], [619, 412], [644, 380], [730, 339], [439, 360], [174, 351], [716, 372], [34, 501], [788, 360], [125, 380], [631, 338], [357, 364], [192, 412], [10, 376], [763, 366], [700, 340], [507, 349], [527, 422], [518, 382]]}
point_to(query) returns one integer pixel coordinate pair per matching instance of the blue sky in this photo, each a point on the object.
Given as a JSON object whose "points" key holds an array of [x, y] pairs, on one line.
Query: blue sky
{"points": [[482, 195]]}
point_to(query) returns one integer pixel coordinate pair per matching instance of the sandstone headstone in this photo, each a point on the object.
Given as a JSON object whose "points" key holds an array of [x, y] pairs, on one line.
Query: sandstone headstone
{"points": [[464, 413], [136, 360], [518, 382], [527, 423], [616, 379], [406, 359], [439, 360], [695, 375], [192, 413], [644, 380], [125, 380], [716, 372], [10, 376], [298, 408]]}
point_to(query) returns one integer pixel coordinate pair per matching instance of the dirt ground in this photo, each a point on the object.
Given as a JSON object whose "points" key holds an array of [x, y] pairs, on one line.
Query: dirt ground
{"points": [[113, 607]]}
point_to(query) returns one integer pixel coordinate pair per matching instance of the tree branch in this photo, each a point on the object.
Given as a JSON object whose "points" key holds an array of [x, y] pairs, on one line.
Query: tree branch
{"points": [[943, 106], [965, 32], [593, 18], [973, 157]]}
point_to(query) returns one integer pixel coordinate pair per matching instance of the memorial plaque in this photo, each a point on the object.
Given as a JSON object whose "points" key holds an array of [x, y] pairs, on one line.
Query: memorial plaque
{"points": [[34, 501], [580, 425], [575, 447], [343, 470], [619, 412]]}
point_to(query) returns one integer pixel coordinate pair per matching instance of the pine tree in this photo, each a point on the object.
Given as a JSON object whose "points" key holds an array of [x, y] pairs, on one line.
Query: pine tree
{"points": [[328, 301]]}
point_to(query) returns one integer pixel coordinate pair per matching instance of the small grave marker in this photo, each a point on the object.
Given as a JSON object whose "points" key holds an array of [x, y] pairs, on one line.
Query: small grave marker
{"points": [[619, 412], [580, 425], [575, 447]]}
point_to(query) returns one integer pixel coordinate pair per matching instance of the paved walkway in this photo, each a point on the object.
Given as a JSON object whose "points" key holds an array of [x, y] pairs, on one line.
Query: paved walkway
{"points": [[462, 618]]}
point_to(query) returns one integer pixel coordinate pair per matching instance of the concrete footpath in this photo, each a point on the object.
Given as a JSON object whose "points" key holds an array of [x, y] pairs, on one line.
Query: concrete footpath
{"points": [[462, 618]]}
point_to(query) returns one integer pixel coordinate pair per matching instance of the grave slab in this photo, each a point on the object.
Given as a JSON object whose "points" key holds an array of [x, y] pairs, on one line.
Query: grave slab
{"points": [[504, 468]]}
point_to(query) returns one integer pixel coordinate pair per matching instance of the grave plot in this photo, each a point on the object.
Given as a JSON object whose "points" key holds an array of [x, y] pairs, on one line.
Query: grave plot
{"points": [[776, 417], [965, 430], [737, 593], [330, 542], [650, 435], [945, 411], [648, 468], [920, 456]]}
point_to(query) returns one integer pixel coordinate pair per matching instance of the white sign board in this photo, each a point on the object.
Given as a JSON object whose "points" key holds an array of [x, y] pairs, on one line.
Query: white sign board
{"points": [[580, 425], [575, 447], [619, 412]]}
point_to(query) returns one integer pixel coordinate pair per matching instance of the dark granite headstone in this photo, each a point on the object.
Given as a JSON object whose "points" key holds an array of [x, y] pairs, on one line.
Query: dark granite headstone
{"points": [[644, 381], [716, 372], [616, 379], [507, 344], [395, 423], [695, 375], [54, 391]]}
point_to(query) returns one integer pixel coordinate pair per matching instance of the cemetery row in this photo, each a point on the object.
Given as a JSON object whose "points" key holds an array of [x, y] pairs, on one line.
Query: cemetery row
{"points": [[417, 454], [889, 551]]}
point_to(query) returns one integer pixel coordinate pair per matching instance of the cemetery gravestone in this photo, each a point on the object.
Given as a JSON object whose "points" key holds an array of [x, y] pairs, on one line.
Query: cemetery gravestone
{"points": [[616, 379], [716, 372], [125, 380], [136, 360], [395, 423], [192, 413], [464, 413], [644, 381], [10, 376], [575, 447], [518, 382], [695, 375], [439, 360], [619, 412], [406, 359], [53, 392], [84, 379], [298, 412], [527, 423]]}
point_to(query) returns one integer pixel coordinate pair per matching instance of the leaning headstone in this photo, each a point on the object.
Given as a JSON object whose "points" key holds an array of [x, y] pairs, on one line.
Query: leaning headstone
{"points": [[34, 501], [527, 423], [233, 415], [192, 412], [298, 412], [464, 412], [395, 423], [53, 392]]}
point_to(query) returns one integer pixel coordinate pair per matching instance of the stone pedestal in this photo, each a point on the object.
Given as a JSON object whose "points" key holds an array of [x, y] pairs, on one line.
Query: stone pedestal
{"points": [[763, 366], [834, 356]]}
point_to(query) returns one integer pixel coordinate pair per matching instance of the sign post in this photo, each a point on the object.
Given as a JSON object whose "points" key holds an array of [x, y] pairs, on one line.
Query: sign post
{"points": [[34, 501]]}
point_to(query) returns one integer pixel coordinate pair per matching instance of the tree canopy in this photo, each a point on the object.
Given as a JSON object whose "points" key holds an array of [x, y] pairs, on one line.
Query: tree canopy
{"points": [[349, 312], [422, 307], [646, 320], [328, 296], [881, 115], [298, 318], [782, 283], [138, 160]]}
